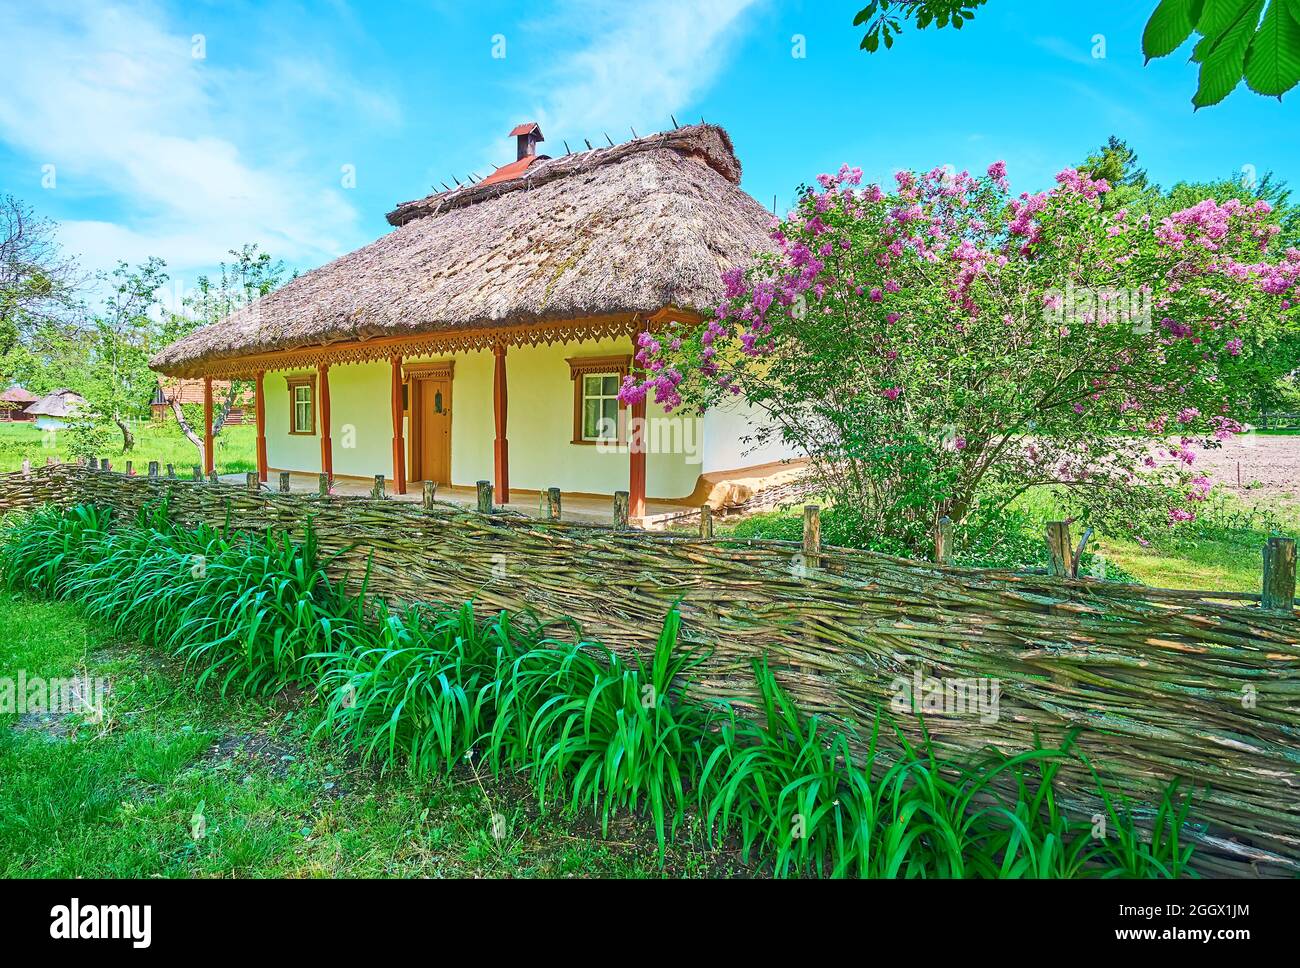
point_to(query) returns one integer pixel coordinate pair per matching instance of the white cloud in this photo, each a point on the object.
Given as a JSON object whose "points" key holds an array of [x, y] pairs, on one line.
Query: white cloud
{"points": [[636, 63], [135, 125]]}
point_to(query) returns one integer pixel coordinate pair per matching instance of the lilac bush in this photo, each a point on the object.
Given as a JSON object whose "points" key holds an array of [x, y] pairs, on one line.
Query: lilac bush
{"points": [[947, 345]]}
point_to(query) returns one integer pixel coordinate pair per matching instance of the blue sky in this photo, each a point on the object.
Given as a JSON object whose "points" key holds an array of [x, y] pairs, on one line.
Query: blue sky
{"points": [[157, 151]]}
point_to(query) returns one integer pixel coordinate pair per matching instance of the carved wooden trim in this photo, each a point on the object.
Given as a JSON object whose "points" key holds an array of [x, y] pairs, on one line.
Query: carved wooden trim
{"points": [[582, 365], [439, 369], [421, 344]]}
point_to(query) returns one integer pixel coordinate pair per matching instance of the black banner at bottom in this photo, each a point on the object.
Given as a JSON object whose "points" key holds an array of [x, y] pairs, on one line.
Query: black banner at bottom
{"points": [[338, 918]]}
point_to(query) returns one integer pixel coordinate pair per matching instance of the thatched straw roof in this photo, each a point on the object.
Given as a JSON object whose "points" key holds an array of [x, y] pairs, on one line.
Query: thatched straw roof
{"points": [[633, 228], [17, 396], [58, 403]]}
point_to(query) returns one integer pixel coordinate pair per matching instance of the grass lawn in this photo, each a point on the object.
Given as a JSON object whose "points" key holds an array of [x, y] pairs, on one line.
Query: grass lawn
{"points": [[161, 442], [1231, 563], [120, 798], [1222, 551]]}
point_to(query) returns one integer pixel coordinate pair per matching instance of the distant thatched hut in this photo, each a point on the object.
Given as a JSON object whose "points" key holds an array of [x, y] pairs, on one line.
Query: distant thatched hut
{"points": [[53, 410], [185, 392], [14, 403], [555, 263]]}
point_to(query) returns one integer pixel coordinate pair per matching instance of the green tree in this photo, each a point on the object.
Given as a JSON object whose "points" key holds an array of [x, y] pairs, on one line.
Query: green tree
{"points": [[1258, 40], [884, 18], [37, 284], [123, 335], [1117, 164], [250, 275]]}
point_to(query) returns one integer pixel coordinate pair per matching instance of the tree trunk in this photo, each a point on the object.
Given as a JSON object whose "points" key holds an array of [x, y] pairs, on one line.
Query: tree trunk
{"points": [[128, 438], [218, 420]]}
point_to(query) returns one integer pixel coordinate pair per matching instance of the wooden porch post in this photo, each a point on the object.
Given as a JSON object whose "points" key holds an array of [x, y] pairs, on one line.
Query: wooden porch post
{"points": [[326, 441], [209, 458], [636, 444], [399, 443], [259, 401], [502, 446]]}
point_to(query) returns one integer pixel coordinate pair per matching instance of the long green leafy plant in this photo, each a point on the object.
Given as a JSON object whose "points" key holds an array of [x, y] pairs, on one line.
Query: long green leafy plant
{"points": [[426, 688]]}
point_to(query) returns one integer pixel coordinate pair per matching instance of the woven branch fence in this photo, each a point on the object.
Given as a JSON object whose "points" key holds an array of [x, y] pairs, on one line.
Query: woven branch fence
{"points": [[1199, 685]]}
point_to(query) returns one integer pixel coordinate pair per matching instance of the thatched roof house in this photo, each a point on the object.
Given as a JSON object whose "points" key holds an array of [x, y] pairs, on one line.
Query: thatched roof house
{"points": [[559, 262], [14, 403], [57, 403], [17, 395], [190, 392], [628, 229]]}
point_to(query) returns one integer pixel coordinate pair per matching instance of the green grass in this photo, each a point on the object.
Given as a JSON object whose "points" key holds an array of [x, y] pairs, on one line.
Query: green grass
{"points": [[1221, 550], [163, 442], [118, 799], [505, 712]]}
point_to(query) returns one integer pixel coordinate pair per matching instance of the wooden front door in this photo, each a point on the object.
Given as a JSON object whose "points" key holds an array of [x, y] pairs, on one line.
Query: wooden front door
{"points": [[431, 435]]}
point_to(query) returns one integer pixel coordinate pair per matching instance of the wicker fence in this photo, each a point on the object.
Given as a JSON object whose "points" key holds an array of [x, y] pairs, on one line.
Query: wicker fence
{"points": [[1200, 685]]}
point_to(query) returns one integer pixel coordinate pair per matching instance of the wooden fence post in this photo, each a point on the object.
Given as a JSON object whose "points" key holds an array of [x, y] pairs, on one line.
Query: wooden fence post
{"points": [[27, 468], [621, 499], [553, 503], [706, 521], [105, 465], [171, 471], [943, 541], [323, 485], [430, 494], [212, 478], [812, 535], [130, 468], [197, 473], [153, 468], [284, 482], [253, 482], [484, 497], [1059, 552], [377, 491], [1279, 574]]}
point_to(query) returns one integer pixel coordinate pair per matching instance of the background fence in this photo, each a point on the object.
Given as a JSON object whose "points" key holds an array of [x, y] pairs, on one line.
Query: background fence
{"points": [[1277, 421], [1200, 685]]}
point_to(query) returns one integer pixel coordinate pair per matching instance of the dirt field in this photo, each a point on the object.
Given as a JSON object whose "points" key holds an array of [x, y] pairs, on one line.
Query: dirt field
{"points": [[1261, 468]]}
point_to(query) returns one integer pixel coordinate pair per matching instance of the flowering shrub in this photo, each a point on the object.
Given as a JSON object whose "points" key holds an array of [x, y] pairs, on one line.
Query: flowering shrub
{"points": [[947, 343]]}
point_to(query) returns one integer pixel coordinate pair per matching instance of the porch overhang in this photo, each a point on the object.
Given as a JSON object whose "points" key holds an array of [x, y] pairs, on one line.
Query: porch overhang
{"points": [[433, 343]]}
